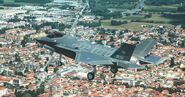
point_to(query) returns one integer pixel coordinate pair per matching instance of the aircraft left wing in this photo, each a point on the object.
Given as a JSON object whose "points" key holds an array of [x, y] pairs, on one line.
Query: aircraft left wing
{"points": [[92, 59]]}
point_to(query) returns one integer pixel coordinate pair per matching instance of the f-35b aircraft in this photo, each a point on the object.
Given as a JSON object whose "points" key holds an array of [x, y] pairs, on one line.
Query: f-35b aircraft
{"points": [[127, 56]]}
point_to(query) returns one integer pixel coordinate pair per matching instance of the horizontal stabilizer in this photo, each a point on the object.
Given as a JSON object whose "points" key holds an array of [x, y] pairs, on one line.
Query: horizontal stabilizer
{"points": [[127, 65], [156, 60]]}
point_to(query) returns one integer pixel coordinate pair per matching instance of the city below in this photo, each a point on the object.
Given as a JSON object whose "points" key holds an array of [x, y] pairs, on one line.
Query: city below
{"points": [[92, 48]]}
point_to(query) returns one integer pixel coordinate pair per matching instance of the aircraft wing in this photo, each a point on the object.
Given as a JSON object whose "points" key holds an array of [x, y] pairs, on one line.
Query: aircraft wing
{"points": [[92, 59]]}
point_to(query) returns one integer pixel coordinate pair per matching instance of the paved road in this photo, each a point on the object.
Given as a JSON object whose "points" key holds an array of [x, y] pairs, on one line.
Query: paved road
{"points": [[77, 18]]}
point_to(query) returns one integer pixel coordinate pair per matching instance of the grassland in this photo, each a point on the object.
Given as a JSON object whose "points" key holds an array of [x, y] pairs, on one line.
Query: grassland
{"points": [[8, 1], [163, 8], [135, 26], [156, 18]]}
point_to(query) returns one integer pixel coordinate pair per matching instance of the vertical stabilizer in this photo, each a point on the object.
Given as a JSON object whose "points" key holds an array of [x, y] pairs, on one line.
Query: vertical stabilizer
{"points": [[124, 52]]}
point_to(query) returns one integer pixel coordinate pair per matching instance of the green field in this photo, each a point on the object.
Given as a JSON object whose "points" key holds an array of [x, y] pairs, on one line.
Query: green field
{"points": [[158, 18], [167, 15], [163, 8], [129, 18], [8, 1], [137, 25], [155, 17]]}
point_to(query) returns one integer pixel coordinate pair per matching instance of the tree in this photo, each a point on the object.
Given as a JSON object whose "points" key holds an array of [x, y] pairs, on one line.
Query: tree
{"points": [[101, 31], [103, 77], [3, 30], [27, 95], [148, 15], [17, 57], [26, 70], [41, 88], [25, 40], [46, 69], [83, 1], [172, 63], [181, 8], [117, 23], [55, 69], [183, 44], [100, 10], [19, 73]]}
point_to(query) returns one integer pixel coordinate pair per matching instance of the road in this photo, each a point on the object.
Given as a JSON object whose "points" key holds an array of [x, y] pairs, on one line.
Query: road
{"points": [[78, 17]]}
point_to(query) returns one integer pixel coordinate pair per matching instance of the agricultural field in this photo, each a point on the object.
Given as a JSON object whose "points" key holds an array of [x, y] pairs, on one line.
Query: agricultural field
{"points": [[162, 15], [135, 26], [8, 1], [161, 9], [135, 22]]}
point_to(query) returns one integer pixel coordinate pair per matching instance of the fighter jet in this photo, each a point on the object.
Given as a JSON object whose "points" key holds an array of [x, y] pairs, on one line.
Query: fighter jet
{"points": [[127, 56]]}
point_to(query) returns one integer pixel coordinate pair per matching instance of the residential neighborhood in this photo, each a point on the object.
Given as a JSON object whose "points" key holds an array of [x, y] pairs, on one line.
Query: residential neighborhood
{"points": [[27, 69]]}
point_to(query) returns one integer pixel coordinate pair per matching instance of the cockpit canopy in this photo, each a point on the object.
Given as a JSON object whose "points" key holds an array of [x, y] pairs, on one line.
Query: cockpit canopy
{"points": [[55, 35]]}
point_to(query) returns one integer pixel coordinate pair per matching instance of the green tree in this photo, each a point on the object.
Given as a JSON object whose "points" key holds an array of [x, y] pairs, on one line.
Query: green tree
{"points": [[41, 88], [27, 95], [181, 8], [148, 15], [100, 10], [17, 57]]}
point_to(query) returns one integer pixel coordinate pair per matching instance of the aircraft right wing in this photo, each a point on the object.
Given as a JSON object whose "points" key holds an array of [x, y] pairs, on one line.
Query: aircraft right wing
{"points": [[92, 59]]}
